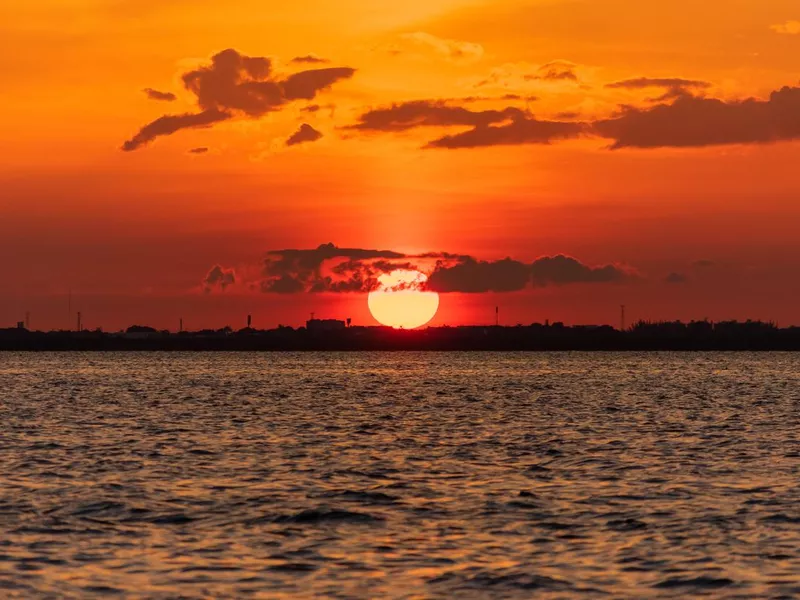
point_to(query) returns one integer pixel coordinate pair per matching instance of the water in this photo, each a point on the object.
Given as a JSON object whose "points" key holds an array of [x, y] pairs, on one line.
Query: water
{"points": [[407, 475]]}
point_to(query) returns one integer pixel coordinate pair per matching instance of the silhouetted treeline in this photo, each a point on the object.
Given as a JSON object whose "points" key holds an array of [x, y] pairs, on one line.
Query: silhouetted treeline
{"points": [[698, 335]]}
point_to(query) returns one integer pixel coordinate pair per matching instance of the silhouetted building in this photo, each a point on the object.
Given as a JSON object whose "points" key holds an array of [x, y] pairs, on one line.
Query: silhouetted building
{"points": [[140, 332], [325, 325]]}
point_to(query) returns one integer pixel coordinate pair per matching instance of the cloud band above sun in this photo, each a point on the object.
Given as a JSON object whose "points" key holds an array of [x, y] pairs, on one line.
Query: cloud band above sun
{"points": [[330, 269]]}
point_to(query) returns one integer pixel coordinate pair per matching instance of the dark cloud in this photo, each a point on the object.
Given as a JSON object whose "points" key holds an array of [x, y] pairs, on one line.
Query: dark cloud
{"points": [[307, 84], [291, 270], [649, 82], [676, 278], [675, 87], [692, 121], [331, 269], [680, 118], [561, 270], [508, 126], [242, 86], [523, 130], [311, 108], [519, 97], [703, 264], [557, 70], [219, 277], [309, 59], [471, 276], [169, 124], [200, 150], [156, 95], [306, 133], [430, 113], [284, 284]]}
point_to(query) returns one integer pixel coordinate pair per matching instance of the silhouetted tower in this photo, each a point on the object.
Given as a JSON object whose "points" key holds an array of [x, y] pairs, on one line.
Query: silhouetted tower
{"points": [[497, 316], [79, 321], [249, 320], [180, 325], [27, 320], [622, 317]]}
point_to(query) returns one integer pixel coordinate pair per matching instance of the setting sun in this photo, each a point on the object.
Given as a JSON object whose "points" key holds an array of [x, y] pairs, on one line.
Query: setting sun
{"points": [[400, 301]]}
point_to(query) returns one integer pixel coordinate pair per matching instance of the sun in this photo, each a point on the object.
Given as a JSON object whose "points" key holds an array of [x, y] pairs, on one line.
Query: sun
{"points": [[399, 301]]}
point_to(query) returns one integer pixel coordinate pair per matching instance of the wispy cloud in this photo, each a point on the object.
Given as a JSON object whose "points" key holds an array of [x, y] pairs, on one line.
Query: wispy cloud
{"points": [[449, 49], [787, 28]]}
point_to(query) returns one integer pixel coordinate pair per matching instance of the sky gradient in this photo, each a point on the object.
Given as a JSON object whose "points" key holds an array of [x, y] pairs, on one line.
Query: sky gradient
{"points": [[204, 160]]}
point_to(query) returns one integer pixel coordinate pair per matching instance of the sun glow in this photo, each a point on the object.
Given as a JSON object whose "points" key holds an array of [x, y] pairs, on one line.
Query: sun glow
{"points": [[400, 302]]}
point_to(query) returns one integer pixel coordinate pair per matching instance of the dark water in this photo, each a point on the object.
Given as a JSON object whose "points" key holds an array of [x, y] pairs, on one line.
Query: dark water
{"points": [[400, 475]]}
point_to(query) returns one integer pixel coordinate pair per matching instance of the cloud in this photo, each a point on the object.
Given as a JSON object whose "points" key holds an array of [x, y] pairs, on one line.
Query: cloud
{"points": [[309, 59], [200, 150], [520, 130], [471, 276], [305, 85], [429, 113], [668, 82], [292, 270], [516, 76], [676, 278], [557, 70], [306, 133], [787, 28], [219, 277], [235, 85], [156, 95], [692, 121], [454, 50], [562, 270], [703, 264], [508, 126], [169, 124], [675, 87], [679, 120], [330, 269]]}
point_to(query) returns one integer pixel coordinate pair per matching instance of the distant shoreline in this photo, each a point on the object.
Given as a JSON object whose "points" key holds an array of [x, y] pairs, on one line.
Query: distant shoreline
{"points": [[700, 336]]}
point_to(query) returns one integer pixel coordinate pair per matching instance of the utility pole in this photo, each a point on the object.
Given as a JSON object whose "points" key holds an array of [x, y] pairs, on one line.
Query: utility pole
{"points": [[79, 321], [28, 321], [497, 316]]}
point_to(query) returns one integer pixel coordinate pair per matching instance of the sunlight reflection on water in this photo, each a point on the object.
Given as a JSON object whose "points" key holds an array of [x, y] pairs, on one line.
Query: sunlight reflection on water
{"points": [[400, 475]]}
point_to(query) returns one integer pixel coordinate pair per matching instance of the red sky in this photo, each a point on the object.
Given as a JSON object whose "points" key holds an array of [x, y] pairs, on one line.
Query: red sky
{"points": [[652, 146]]}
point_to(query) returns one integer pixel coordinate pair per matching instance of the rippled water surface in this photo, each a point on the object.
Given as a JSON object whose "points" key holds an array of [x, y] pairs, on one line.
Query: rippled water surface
{"points": [[413, 475]]}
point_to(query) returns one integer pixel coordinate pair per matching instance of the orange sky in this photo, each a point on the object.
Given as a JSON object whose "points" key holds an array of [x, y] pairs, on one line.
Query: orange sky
{"points": [[695, 209]]}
